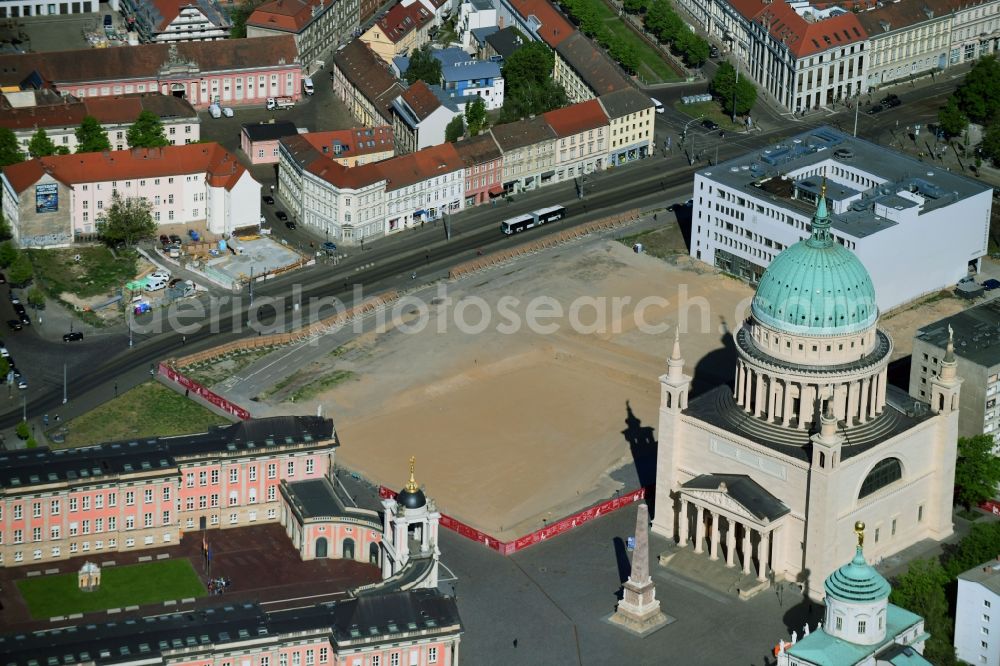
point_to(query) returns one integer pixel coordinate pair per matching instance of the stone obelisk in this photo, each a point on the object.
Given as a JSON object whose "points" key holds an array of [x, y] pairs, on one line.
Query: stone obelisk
{"points": [[639, 611]]}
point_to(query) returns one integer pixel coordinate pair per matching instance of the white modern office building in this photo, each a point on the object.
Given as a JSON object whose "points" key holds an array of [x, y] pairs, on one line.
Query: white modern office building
{"points": [[977, 615], [916, 227]]}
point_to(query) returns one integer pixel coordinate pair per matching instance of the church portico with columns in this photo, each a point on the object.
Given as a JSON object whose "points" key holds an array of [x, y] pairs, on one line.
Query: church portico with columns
{"points": [[809, 438]]}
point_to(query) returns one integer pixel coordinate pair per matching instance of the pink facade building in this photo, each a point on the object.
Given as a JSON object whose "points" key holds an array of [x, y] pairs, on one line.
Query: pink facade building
{"points": [[260, 142], [229, 71], [483, 168]]}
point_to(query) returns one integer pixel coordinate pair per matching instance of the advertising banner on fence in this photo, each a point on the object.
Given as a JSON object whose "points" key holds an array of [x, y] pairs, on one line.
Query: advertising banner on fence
{"points": [[203, 393]]}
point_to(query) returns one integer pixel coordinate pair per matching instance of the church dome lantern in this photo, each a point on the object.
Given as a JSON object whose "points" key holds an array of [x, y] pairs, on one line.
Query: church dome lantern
{"points": [[856, 599], [411, 496]]}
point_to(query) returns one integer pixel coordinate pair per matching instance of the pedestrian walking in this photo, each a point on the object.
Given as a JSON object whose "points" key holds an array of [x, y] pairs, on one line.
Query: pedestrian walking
{"points": [[116, 389], [184, 339], [515, 642], [187, 392]]}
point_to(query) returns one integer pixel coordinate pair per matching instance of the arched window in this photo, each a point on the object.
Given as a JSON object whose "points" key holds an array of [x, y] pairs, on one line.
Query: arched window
{"points": [[885, 472]]}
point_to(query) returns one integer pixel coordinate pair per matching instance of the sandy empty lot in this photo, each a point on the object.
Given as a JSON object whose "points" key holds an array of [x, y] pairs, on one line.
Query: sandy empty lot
{"points": [[511, 425]]}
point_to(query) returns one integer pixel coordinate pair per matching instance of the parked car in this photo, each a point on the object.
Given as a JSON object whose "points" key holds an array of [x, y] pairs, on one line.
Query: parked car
{"points": [[709, 124], [141, 307], [269, 200], [195, 236], [164, 239], [280, 214], [22, 383], [174, 238], [877, 108], [72, 337], [3, 351], [215, 111], [988, 285], [891, 101], [330, 246], [159, 275], [155, 285], [290, 224], [227, 111], [13, 297], [14, 325], [713, 52], [25, 319], [174, 253]]}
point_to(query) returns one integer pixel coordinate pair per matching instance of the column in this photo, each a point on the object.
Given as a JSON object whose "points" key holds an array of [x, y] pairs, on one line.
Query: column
{"points": [[852, 403], [748, 384], [746, 550], [772, 402], [713, 542], [699, 529], [730, 543], [807, 394], [786, 409], [881, 392], [682, 524], [423, 537], [739, 382], [866, 385], [763, 555], [759, 399]]}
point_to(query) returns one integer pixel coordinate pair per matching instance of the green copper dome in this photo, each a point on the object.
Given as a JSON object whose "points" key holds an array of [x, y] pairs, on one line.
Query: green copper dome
{"points": [[857, 582], [816, 286]]}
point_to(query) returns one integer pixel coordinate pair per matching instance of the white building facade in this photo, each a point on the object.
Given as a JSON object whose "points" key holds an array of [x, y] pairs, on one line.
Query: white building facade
{"points": [[977, 615], [889, 209]]}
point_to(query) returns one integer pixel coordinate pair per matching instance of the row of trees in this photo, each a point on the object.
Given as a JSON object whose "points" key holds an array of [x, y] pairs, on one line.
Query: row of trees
{"points": [[239, 14], [928, 587], [474, 120], [661, 20], [977, 100], [590, 16], [530, 89], [146, 132]]}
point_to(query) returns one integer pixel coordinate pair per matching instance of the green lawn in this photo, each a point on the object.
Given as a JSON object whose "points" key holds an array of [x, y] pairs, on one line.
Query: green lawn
{"points": [[147, 410], [652, 67], [98, 271], [712, 111], [48, 596], [312, 389]]}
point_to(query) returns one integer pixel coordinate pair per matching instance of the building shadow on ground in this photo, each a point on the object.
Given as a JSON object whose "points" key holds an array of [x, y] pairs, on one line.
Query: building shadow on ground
{"points": [[642, 444], [624, 566], [716, 368]]}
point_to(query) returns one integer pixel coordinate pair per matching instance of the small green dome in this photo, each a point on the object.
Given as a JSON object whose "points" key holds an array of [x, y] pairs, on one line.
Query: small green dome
{"points": [[816, 286], [857, 582]]}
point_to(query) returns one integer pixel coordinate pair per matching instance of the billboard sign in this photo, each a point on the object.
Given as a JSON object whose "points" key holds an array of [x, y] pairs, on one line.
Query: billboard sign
{"points": [[47, 198]]}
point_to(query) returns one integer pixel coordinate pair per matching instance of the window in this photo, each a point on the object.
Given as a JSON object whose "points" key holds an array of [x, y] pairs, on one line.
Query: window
{"points": [[877, 531], [233, 518], [147, 520], [310, 657], [862, 625], [983, 643], [920, 515], [17, 512], [272, 471], [18, 536], [324, 655], [129, 498], [884, 473], [432, 655], [215, 501], [986, 618], [36, 534], [85, 503], [309, 466], [215, 477], [296, 658], [986, 632], [54, 507], [282, 659], [986, 603], [394, 659], [36, 509], [98, 525], [73, 506], [271, 494], [234, 475], [112, 523], [840, 622], [202, 478], [291, 468], [112, 499], [129, 523], [253, 472], [148, 496], [166, 492], [190, 479], [99, 501], [55, 532]]}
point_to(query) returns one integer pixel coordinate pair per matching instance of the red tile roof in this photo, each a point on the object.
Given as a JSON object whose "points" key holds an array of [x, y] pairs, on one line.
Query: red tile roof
{"points": [[421, 99], [220, 166], [122, 109], [401, 21], [146, 60], [577, 118], [357, 141], [419, 166], [803, 37], [286, 15], [554, 28]]}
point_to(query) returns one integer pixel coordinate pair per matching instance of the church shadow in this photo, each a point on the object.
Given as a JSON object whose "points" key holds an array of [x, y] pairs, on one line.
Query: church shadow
{"points": [[642, 445], [716, 368], [624, 566], [898, 372], [684, 214]]}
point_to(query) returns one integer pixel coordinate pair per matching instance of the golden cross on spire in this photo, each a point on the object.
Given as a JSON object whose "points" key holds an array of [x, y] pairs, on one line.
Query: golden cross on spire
{"points": [[411, 485]]}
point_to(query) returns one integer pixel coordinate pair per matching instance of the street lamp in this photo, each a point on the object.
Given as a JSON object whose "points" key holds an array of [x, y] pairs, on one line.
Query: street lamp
{"points": [[684, 131], [735, 87]]}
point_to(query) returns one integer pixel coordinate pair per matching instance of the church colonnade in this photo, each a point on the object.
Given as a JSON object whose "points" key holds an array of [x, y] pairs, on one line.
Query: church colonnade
{"points": [[779, 397], [755, 542]]}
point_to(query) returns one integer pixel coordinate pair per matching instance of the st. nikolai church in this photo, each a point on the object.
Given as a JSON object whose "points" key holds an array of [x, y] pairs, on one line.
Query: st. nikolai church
{"points": [[811, 439]]}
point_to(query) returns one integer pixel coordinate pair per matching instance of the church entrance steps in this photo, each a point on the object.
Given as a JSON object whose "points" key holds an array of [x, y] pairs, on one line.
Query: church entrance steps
{"points": [[712, 574]]}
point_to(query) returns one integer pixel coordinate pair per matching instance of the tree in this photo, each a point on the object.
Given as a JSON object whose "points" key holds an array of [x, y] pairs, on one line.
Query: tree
{"points": [[977, 470], [91, 137], [530, 89], [455, 129], [22, 430], [921, 590], [10, 152], [36, 298], [626, 53], [982, 543], [21, 270], [952, 119], [530, 64], [4, 368], [423, 67], [41, 145], [723, 85], [239, 15], [979, 94], [8, 253], [991, 143], [147, 132], [475, 116], [128, 221]]}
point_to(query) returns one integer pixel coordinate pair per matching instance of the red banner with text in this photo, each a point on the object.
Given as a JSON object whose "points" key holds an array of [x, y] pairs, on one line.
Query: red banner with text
{"points": [[208, 396]]}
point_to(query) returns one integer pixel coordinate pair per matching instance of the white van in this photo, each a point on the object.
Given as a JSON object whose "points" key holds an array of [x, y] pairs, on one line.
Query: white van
{"points": [[658, 104], [215, 111], [307, 86], [156, 285]]}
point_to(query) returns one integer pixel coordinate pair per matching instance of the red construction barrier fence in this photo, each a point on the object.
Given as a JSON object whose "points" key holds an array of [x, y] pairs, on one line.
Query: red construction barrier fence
{"points": [[566, 524], [992, 506], [190, 385]]}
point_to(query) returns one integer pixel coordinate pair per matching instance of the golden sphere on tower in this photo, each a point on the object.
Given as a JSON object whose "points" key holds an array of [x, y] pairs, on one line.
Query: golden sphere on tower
{"points": [[859, 526]]}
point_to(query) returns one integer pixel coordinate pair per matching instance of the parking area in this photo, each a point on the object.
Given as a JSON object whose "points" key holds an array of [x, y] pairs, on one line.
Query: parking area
{"points": [[254, 256], [64, 32]]}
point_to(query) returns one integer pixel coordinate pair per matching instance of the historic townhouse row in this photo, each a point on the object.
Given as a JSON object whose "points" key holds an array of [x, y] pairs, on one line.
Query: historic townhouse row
{"points": [[808, 56], [58, 200], [229, 71], [317, 25], [373, 200]]}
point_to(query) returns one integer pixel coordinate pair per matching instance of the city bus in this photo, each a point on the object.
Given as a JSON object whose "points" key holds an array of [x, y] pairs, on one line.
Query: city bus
{"points": [[534, 218]]}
